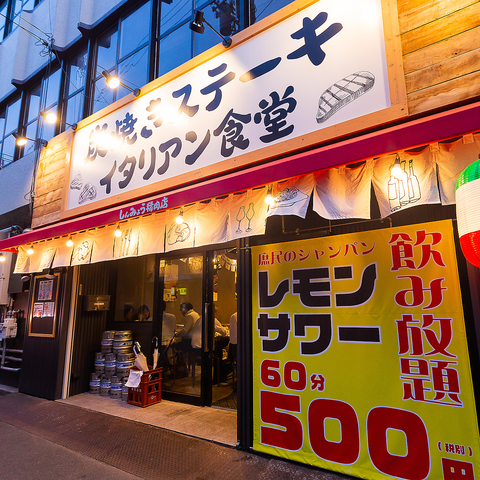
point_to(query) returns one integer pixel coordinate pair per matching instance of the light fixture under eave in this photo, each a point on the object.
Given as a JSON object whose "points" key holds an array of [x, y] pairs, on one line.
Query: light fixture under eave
{"points": [[269, 200], [118, 232], [198, 27], [30, 250], [70, 242], [20, 140], [397, 169], [179, 219], [113, 82], [50, 274], [52, 118], [2, 257]]}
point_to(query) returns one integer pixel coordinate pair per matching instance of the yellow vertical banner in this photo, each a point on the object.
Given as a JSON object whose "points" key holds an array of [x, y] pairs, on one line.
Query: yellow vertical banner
{"points": [[360, 356]]}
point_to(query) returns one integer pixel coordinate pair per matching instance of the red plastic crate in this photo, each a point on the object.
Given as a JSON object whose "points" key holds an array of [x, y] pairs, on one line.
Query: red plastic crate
{"points": [[149, 390]]}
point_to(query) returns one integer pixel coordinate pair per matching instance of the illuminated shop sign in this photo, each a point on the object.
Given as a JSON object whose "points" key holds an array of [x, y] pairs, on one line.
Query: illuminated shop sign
{"points": [[321, 67]]}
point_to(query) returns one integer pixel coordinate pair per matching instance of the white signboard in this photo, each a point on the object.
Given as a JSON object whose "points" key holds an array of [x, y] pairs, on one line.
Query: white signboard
{"points": [[320, 67]]}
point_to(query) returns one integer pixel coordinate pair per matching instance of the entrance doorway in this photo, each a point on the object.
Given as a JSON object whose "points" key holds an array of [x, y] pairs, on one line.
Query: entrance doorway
{"points": [[198, 295], [198, 365]]}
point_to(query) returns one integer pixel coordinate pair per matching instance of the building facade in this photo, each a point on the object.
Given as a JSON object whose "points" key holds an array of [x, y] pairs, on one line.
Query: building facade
{"points": [[285, 169]]}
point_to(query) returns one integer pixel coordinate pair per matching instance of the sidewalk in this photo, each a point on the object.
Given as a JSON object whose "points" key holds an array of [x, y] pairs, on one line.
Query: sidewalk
{"points": [[45, 438], [177, 417]]}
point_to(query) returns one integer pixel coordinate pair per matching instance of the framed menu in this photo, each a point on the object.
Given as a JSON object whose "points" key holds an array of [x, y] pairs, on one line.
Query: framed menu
{"points": [[44, 306]]}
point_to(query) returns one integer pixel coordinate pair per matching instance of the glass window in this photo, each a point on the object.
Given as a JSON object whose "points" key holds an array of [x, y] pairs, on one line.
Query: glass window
{"points": [[133, 71], [102, 95], [51, 89], [263, 8], [3, 15], [43, 97], [77, 74], [3, 116], [13, 116], [33, 102], [175, 49], [9, 121], [174, 14], [10, 11], [33, 109], [107, 52], [125, 54], [177, 43], [74, 108], [135, 31]]}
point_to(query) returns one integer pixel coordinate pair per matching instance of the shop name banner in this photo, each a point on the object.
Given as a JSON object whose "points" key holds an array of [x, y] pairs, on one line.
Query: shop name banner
{"points": [[360, 355], [321, 67]]}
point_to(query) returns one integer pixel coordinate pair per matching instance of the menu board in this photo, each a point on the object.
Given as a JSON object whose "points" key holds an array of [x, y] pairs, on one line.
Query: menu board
{"points": [[44, 302]]}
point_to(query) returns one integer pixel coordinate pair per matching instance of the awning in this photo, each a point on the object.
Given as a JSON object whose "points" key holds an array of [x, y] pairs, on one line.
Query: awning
{"points": [[435, 128]]}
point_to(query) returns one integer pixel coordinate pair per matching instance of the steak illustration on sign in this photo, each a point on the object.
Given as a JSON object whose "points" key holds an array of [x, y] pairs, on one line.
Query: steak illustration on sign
{"points": [[342, 93]]}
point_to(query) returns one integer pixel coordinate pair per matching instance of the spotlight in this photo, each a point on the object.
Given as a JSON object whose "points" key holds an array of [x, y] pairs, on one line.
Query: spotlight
{"points": [[30, 250], [70, 242], [51, 117], [113, 82], [118, 232], [20, 140], [2, 257], [198, 27]]}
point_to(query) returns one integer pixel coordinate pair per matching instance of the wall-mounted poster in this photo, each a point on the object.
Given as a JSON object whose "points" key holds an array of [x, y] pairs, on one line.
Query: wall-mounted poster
{"points": [[44, 302], [360, 356]]}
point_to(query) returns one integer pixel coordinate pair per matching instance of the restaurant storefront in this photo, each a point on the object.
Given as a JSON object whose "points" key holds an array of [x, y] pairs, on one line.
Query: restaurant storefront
{"points": [[283, 181]]}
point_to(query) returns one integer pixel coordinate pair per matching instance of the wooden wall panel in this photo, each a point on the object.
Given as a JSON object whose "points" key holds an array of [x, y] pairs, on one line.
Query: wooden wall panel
{"points": [[438, 29], [463, 88], [416, 13], [49, 180], [441, 52]]}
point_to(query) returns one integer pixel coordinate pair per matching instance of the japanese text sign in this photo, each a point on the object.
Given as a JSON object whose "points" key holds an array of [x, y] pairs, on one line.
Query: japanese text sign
{"points": [[360, 355], [322, 66]]}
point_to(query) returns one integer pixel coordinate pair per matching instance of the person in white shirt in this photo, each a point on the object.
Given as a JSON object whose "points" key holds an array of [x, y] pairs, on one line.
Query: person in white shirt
{"points": [[219, 329], [192, 327]]}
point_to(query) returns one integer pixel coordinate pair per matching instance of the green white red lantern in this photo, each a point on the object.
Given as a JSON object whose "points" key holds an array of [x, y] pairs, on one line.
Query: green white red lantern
{"points": [[468, 212]]}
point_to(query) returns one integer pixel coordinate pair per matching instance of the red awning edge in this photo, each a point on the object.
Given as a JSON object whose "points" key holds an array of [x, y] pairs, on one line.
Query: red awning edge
{"points": [[434, 128]]}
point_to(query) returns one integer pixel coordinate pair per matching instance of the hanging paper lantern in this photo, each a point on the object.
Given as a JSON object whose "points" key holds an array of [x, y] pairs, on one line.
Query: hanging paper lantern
{"points": [[468, 212]]}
